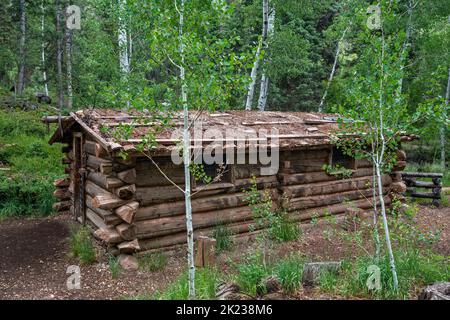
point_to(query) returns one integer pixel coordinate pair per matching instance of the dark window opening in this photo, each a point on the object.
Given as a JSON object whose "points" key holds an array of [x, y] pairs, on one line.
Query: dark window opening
{"points": [[341, 160]]}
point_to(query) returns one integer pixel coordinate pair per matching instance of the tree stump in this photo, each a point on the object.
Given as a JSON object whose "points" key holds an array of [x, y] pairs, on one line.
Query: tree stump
{"points": [[206, 252]]}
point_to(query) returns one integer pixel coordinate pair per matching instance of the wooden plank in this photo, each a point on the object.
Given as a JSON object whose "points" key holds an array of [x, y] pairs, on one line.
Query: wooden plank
{"points": [[422, 175]]}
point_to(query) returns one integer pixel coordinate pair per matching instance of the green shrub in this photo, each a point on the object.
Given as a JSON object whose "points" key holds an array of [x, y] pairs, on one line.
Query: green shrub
{"points": [[414, 269], [114, 266], [27, 188], [153, 261], [222, 234], [206, 282], [81, 246], [289, 271], [283, 229], [250, 274]]}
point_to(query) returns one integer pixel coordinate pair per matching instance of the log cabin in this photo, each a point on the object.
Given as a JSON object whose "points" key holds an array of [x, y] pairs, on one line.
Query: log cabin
{"points": [[124, 189]]}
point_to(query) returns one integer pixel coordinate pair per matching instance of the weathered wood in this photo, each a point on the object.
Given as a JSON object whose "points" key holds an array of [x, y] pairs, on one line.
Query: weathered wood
{"points": [[66, 161], [127, 176], [210, 203], [422, 175], [129, 246], [61, 206], [324, 200], [305, 215], [323, 188], [104, 181], [100, 164], [110, 235], [107, 215], [320, 176], [125, 192], [205, 255], [127, 212], [414, 194], [174, 224], [401, 155], [399, 166], [62, 183], [398, 187], [102, 198], [179, 238], [95, 149], [127, 231], [62, 194], [96, 219]]}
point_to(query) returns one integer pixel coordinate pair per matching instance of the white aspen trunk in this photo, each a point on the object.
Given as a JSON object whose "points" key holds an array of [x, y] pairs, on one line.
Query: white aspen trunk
{"points": [[264, 91], [44, 72], [22, 51], [375, 216], [333, 70], [385, 225], [443, 128], [406, 46], [187, 161], [69, 68], [253, 74], [379, 156], [123, 40], [59, 55]]}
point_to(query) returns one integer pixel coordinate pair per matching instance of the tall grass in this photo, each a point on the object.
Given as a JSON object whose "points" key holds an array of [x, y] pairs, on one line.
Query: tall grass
{"points": [[26, 189], [81, 246], [206, 282]]}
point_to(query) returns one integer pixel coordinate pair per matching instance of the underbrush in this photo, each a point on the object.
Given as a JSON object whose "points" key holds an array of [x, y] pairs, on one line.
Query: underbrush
{"points": [[81, 246], [206, 282], [153, 261], [29, 165], [416, 263]]}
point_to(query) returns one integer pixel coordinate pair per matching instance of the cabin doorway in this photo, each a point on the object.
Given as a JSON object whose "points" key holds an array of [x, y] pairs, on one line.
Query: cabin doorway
{"points": [[79, 178]]}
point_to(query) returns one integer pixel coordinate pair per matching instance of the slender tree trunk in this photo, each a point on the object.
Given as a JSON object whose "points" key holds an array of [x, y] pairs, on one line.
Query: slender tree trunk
{"points": [[443, 128], [264, 91], [59, 54], [375, 216], [333, 70], [22, 51], [386, 227], [187, 160], [123, 40], [124, 59], [44, 72], [253, 74], [69, 68], [406, 46], [379, 158]]}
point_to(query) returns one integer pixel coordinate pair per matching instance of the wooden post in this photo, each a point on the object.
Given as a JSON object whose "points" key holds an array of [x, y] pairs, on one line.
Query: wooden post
{"points": [[206, 252]]}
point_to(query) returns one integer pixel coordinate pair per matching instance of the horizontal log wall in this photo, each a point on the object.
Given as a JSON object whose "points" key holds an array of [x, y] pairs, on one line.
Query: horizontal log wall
{"points": [[133, 207]]}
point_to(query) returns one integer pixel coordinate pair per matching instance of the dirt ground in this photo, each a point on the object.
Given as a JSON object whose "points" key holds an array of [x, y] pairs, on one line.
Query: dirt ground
{"points": [[34, 259]]}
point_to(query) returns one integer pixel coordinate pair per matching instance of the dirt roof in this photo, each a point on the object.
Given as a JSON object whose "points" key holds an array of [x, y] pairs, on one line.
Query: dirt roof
{"points": [[294, 129]]}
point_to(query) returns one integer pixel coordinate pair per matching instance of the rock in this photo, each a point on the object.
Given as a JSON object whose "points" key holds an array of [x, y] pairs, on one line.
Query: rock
{"points": [[128, 262], [437, 291], [312, 271]]}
